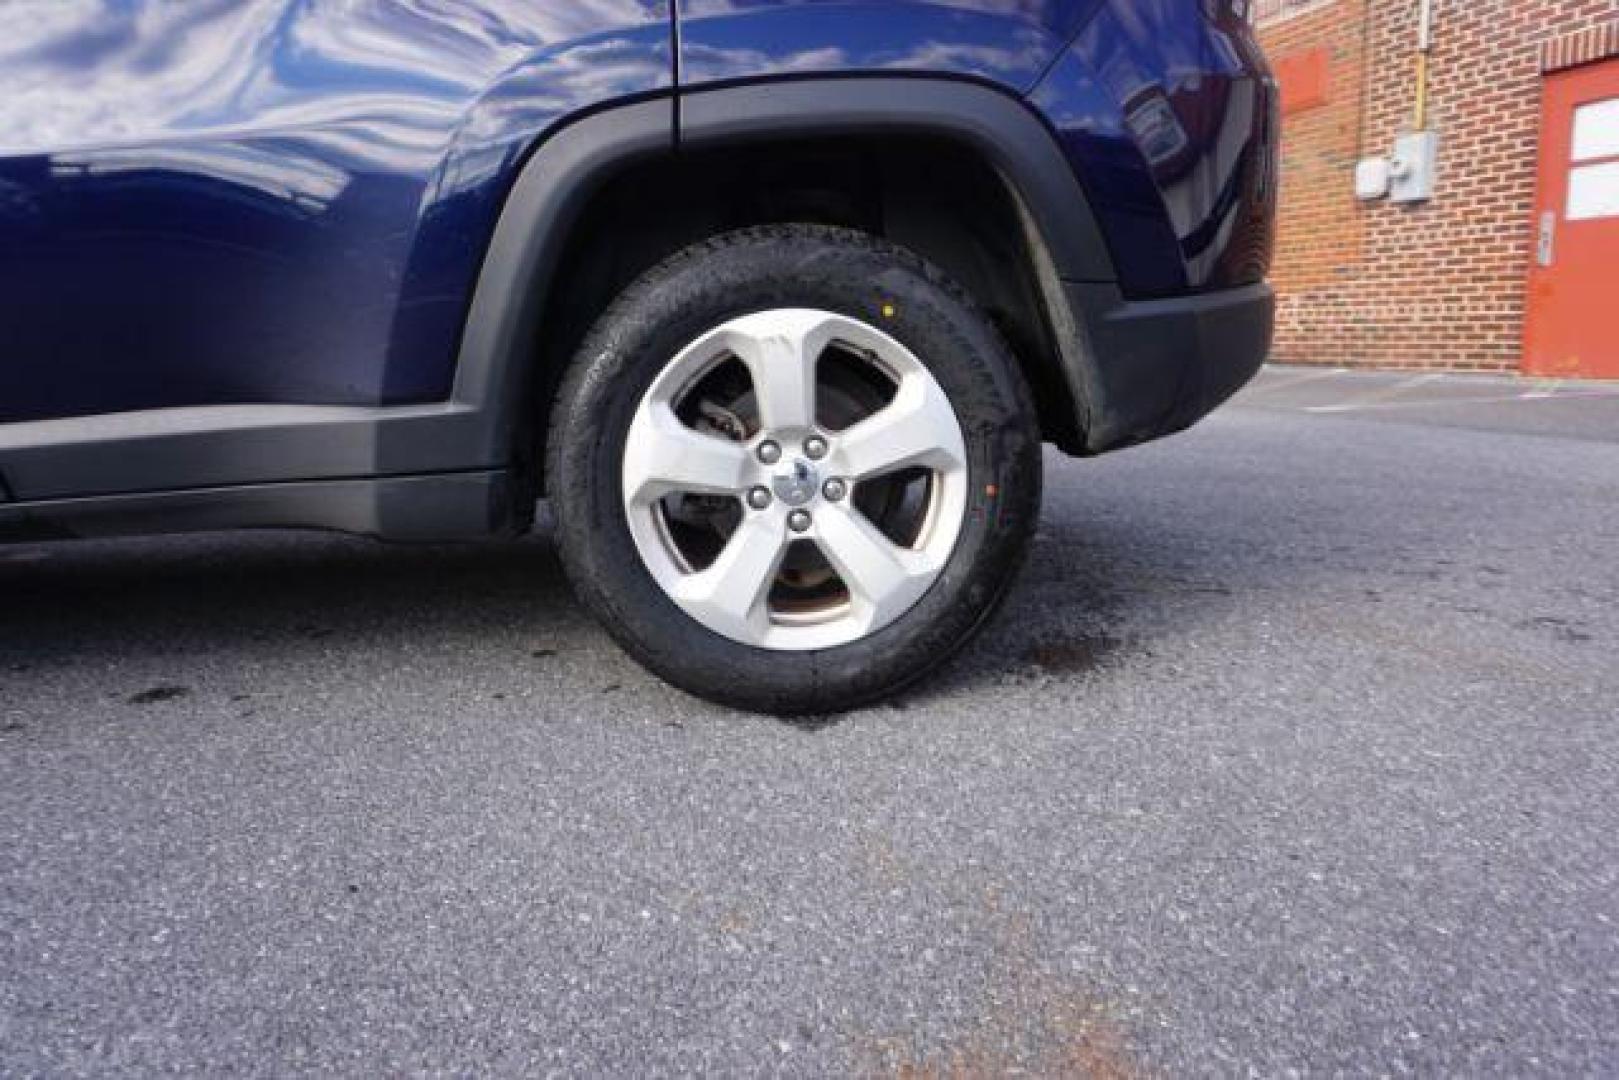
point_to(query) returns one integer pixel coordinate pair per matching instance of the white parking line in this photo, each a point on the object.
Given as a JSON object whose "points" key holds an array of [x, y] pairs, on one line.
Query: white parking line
{"points": [[1376, 397], [1542, 388], [1354, 407], [1284, 382]]}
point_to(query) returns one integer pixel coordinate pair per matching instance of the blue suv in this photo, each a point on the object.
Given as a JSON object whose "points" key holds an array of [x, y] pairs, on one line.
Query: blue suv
{"points": [[774, 301]]}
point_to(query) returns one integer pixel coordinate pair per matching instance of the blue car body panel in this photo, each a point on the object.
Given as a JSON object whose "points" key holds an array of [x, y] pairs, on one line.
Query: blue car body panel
{"points": [[307, 204], [1010, 45], [271, 200], [1170, 121]]}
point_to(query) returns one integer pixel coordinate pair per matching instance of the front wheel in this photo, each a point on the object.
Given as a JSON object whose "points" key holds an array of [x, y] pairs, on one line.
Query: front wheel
{"points": [[793, 468]]}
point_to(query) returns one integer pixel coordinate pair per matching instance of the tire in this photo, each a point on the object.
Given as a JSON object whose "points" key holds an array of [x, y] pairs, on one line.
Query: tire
{"points": [[890, 316]]}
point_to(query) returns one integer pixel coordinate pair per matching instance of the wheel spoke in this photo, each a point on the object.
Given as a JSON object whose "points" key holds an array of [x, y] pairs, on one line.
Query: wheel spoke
{"points": [[882, 577], [781, 350], [662, 456], [917, 428], [731, 594]]}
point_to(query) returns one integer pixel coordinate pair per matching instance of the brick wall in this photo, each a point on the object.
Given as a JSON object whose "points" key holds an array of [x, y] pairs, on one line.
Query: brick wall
{"points": [[1438, 284]]}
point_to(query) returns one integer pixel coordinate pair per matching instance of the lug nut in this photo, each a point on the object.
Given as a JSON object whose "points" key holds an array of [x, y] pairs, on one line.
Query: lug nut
{"points": [[759, 497], [769, 452], [834, 489], [815, 447], [798, 520]]}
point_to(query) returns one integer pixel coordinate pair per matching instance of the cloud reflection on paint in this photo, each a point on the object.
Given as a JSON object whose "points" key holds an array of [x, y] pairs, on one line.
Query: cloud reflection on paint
{"points": [[340, 159], [1009, 42], [78, 74]]}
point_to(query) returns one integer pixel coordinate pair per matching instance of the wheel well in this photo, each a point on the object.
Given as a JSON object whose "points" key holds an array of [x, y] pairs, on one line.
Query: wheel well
{"points": [[937, 198]]}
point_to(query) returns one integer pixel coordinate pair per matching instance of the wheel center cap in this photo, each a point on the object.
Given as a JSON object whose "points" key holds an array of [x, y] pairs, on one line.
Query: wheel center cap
{"points": [[797, 485]]}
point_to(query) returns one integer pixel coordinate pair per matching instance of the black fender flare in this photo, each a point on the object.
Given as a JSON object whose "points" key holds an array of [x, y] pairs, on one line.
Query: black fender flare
{"points": [[554, 186], [995, 123]]}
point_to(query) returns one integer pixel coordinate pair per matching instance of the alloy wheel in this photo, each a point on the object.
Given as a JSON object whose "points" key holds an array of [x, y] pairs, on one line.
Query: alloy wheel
{"points": [[795, 479]]}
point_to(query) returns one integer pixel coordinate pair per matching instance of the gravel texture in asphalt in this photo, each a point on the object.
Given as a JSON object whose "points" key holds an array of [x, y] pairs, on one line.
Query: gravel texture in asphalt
{"points": [[1294, 750]]}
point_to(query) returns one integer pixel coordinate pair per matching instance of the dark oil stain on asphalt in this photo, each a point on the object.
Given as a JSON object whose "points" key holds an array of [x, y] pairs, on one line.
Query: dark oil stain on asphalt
{"points": [[1562, 629], [1073, 654], [159, 693]]}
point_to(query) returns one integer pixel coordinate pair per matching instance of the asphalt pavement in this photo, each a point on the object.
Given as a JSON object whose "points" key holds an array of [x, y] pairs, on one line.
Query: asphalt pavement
{"points": [[1293, 751]]}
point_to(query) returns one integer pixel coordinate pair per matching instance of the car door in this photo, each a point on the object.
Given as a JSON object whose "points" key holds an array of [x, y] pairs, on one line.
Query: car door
{"points": [[223, 204], [1569, 330]]}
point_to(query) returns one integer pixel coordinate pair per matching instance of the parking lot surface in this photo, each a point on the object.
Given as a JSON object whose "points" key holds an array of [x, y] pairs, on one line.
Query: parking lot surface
{"points": [[1294, 750]]}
